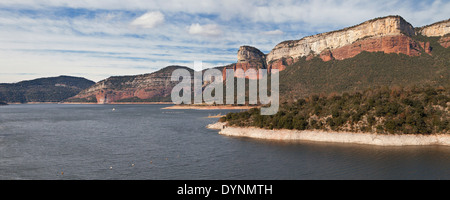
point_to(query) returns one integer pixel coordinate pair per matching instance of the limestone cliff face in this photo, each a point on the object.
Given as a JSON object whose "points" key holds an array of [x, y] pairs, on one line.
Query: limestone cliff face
{"points": [[152, 87], [437, 29], [248, 58], [248, 54], [391, 34], [316, 44]]}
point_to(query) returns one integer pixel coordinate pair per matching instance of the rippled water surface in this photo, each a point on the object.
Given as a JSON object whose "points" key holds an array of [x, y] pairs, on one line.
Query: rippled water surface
{"points": [[145, 142]]}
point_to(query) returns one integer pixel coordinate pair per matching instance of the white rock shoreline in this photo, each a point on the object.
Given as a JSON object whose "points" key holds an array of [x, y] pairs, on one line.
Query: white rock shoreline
{"points": [[335, 137]]}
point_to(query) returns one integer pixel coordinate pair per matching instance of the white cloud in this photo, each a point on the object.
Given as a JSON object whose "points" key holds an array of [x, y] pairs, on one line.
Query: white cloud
{"points": [[343, 12], [205, 30], [111, 37], [149, 20], [274, 32]]}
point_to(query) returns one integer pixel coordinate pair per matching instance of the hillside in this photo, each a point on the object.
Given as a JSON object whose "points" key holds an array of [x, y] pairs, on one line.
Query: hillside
{"points": [[394, 82], [396, 110], [365, 70], [385, 51], [390, 34], [153, 87], [53, 89]]}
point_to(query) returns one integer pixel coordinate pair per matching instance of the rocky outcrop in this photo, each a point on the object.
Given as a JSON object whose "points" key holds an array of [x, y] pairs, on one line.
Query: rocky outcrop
{"points": [[445, 41], [281, 64], [434, 30], [249, 58], [387, 44], [391, 34], [316, 45], [426, 47], [154, 87], [248, 54]]}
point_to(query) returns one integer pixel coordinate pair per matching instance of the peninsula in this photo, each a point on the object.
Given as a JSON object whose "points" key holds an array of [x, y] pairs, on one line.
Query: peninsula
{"points": [[382, 82], [385, 116]]}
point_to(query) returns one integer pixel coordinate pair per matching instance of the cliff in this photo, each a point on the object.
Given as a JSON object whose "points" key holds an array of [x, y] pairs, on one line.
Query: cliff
{"points": [[153, 87], [445, 41], [248, 58], [316, 44], [391, 34], [382, 51], [435, 30]]}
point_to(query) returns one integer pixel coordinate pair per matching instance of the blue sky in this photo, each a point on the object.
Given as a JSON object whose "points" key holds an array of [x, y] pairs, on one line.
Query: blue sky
{"points": [[101, 38]]}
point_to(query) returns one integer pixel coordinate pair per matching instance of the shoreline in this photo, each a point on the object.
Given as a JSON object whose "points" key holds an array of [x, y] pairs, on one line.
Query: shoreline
{"points": [[200, 107], [122, 103], [16, 103], [91, 103], [332, 137]]}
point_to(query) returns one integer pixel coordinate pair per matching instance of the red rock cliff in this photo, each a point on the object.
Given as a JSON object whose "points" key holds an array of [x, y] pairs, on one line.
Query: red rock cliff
{"points": [[248, 58], [152, 87], [390, 34]]}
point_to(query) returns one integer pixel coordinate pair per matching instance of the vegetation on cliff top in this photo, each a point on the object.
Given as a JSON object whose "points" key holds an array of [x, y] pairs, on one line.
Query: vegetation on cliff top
{"points": [[395, 110]]}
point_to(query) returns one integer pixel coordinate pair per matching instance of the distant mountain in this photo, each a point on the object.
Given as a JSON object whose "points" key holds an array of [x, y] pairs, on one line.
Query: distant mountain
{"points": [[391, 34], [153, 87], [386, 51], [53, 89]]}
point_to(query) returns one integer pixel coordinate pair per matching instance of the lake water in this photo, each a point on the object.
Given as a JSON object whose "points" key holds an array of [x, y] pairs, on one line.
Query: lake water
{"points": [[145, 142]]}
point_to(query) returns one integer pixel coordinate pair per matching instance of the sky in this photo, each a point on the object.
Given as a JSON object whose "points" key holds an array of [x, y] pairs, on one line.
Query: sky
{"points": [[97, 39]]}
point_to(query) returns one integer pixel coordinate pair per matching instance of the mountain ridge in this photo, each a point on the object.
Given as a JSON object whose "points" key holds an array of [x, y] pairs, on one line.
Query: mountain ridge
{"points": [[379, 34], [384, 38], [48, 89], [153, 87]]}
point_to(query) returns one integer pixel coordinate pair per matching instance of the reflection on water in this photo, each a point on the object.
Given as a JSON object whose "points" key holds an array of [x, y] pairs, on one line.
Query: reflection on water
{"points": [[145, 142]]}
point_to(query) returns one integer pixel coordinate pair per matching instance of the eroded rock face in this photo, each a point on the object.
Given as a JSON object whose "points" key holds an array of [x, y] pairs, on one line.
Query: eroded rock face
{"points": [[437, 29], [281, 64], [326, 55], [316, 44], [390, 34], [148, 87], [248, 54], [426, 47], [445, 41], [248, 58], [387, 44]]}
